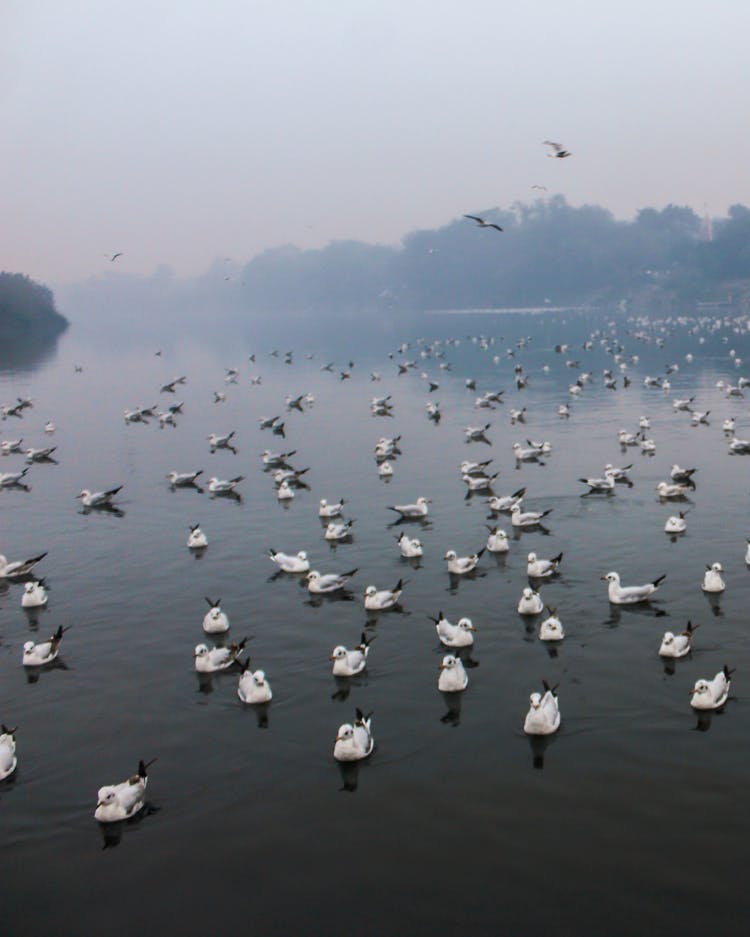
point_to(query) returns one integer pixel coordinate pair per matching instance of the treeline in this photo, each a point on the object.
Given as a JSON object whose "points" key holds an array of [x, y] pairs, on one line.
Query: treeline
{"points": [[548, 252], [26, 306]]}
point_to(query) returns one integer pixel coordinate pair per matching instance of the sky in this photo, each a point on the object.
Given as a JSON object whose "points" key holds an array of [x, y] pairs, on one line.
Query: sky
{"points": [[181, 132]]}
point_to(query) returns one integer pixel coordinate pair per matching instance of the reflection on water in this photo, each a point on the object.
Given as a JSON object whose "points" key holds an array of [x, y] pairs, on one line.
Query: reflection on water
{"points": [[233, 797]]}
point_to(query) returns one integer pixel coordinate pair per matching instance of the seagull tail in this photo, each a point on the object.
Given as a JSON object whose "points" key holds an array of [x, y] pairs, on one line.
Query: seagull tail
{"points": [[143, 767], [351, 572], [657, 582], [36, 559], [728, 672], [558, 559], [545, 513]]}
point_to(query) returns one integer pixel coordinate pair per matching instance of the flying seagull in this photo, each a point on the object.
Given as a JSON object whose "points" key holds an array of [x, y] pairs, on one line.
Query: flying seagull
{"points": [[560, 151], [482, 223], [114, 257], [542, 187]]}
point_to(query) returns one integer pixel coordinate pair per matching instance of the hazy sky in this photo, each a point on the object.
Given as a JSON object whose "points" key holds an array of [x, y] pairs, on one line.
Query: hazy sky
{"points": [[182, 131]]}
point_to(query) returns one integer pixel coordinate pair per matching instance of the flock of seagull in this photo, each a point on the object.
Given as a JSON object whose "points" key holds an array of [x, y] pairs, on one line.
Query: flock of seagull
{"points": [[355, 740]]}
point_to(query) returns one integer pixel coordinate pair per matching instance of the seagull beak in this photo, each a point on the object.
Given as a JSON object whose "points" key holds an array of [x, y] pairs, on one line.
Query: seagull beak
{"points": [[331, 657], [602, 578], [339, 739]]}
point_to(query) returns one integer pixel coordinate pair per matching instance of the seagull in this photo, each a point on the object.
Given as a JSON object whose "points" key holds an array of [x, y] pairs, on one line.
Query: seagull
{"points": [[215, 621], [116, 802], [276, 459], [712, 694], [40, 455], [629, 595], [284, 491], [412, 511], [619, 473], [222, 486], [543, 717], [290, 563], [319, 584], [677, 645], [682, 475], [476, 432], [217, 658], [381, 601], [479, 482], [197, 539], [9, 479], [338, 531], [525, 455], [268, 422], [482, 223], [10, 445], [712, 581], [348, 663], [474, 468], [36, 655], [530, 602], [541, 569], [528, 518], [506, 502], [700, 416], [354, 742], [98, 499], [330, 510], [600, 485], [410, 547], [551, 628], [253, 688], [497, 541], [220, 442], [8, 759], [460, 565], [183, 479], [34, 595], [676, 523], [666, 490], [560, 151], [114, 257], [453, 677], [459, 635], [17, 568]]}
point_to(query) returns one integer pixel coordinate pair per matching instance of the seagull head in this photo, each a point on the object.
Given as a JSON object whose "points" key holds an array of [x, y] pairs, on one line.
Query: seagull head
{"points": [[370, 590], [531, 558], [28, 647], [345, 732], [465, 624], [536, 700], [450, 555], [448, 662], [338, 652], [200, 650], [612, 577]]}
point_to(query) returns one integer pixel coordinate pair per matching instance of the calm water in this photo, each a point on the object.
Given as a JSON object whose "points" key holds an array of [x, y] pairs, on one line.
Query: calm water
{"points": [[631, 817]]}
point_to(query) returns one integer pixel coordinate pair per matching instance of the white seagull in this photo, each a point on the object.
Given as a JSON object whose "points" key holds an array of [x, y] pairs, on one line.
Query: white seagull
{"points": [[290, 563], [354, 742], [215, 621], [197, 539], [98, 499], [380, 600], [117, 802], [551, 628], [8, 758], [411, 511], [34, 595], [460, 565], [540, 569], [36, 655], [712, 694], [677, 645], [712, 581], [543, 717], [459, 635], [253, 688], [16, 568], [629, 595], [410, 547], [530, 602], [319, 584], [348, 663], [453, 677], [217, 658]]}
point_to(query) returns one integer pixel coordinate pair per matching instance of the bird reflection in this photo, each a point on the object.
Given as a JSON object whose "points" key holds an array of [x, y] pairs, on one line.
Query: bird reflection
{"points": [[539, 745], [103, 509], [349, 775], [645, 609], [714, 600], [112, 832], [33, 673], [452, 716], [704, 718]]}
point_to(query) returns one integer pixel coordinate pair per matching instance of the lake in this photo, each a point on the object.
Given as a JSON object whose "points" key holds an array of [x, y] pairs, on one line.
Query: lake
{"points": [[630, 817]]}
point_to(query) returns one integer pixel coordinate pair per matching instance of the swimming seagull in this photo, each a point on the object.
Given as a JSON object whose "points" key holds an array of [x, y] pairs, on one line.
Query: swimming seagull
{"points": [[98, 499], [11, 479], [183, 479], [412, 511], [348, 663], [338, 531], [354, 742], [17, 568], [116, 802], [520, 518], [604, 485], [482, 223], [530, 602], [551, 628], [253, 688], [682, 475], [629, 595], [506, 502], [459, 635], [330, 510], [676, 523], [34, 595], [197, 539], [222, 486], [221, 442], [36, 655], [541, 569], [319, 584], [497, 541], [543, 717], [215, 621], [381, 600], [712, 581], [8, 758], [460, 565], [217, 658], [677, 645], [410, 547], [712, 694], [666, 490], [453, 677], [288, 563]]}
